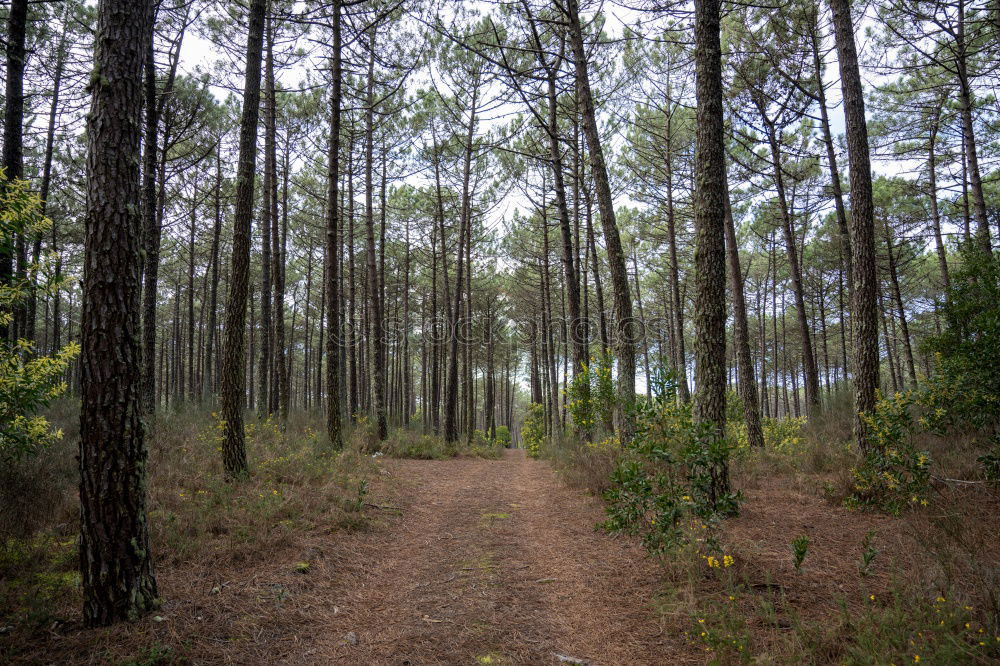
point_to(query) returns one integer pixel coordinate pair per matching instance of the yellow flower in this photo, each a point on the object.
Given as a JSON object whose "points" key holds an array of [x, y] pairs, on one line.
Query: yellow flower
{"points": [[712, 562], [727, 560], [916, 658], [872, 597]]}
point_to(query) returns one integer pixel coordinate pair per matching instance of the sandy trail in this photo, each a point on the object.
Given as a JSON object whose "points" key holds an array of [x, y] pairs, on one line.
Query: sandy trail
{"points": [[493, 562]]}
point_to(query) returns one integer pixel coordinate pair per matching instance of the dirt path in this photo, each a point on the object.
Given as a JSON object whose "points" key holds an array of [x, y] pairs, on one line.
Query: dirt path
{"points": [[494, 562]]}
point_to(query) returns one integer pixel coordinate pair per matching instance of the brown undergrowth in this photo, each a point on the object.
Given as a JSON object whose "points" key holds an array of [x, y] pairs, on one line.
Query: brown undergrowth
{"points": [[871, 588], [234, 561]]}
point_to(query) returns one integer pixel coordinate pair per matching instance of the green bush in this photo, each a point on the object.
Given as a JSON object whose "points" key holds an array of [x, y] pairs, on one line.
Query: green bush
{"points": [[533, 431], [27, 382], [502, 436], [964, 390], [892, 474], [590, 396], [673, 472]]}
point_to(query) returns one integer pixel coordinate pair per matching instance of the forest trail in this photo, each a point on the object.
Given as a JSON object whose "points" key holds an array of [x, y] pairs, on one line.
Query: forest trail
{"points": [[495, 562]]}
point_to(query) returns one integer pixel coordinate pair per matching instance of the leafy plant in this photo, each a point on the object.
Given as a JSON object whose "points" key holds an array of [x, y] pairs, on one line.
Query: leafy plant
{"points": [[868, 554], [590, 396], [534, 429], [800, 546], [27, 382], [674, 469], [893, 474]]}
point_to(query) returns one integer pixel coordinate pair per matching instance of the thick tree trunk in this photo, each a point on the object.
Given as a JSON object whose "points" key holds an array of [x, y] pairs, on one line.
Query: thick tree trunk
{"points": [[115, 562], [332, 251], [234, 384], [710, 198], [13, 151], [864, 316]]}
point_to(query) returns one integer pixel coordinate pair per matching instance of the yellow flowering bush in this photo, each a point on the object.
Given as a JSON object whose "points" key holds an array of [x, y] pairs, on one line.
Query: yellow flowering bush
{"points": [[893, 474], [27, 382]]}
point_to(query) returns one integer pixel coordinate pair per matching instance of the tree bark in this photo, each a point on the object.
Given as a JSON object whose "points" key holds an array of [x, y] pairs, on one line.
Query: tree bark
{"points": [[234, 456], [624, 343], [333, 304], [115, 562], [710, 199], [864, 317]]}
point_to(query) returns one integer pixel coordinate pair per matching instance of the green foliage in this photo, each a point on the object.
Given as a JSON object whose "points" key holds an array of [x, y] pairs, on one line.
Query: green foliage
{"points": [[991, 461], [533, 431], [670, 476], [868, 554], [502, 436], [27, 382], [964, 390], [590, 396], [780, 434], [893, 474], [800, 547]]}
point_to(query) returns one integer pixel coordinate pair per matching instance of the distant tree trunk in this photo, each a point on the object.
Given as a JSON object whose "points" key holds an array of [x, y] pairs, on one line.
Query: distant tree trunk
{"points": [[213, 288], [677, 320], [864, 316], [234, 455], [831, 155], [464, 236], [376, 350], [50, 135], [795, 268], [709, 217], [741, 332], [265, 364], [115, 562], [900, 310], [624, 343], [932, 194], [972, 154], [333, 305]]}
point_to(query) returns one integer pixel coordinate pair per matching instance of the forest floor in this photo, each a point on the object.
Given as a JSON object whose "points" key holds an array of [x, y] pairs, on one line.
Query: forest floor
{"points": [[478, 561], [466, 561]]}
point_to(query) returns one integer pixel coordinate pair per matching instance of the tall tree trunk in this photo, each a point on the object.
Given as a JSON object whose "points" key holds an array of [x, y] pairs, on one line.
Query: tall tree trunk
{"points": [[265, 365], [333, 301], [741, 332], [376, 350], [864, 316], [464, 236], [831, 155], [234, 455], [932, 194], [624, 342], [13, 126], [213, 288], [808, 357], [969, 135], [115, 562], [710, 252]]}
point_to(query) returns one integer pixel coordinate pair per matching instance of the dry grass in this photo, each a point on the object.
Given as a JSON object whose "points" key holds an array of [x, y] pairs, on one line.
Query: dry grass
{"points": [[834, 610], [208, 536]]}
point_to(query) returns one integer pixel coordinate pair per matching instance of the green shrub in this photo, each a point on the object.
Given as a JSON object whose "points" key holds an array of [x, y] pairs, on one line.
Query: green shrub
{"points": [[964, 390], [590, 396], [673, 470], [27, 382], [533, 431], [502, 436], [893, 474]]}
